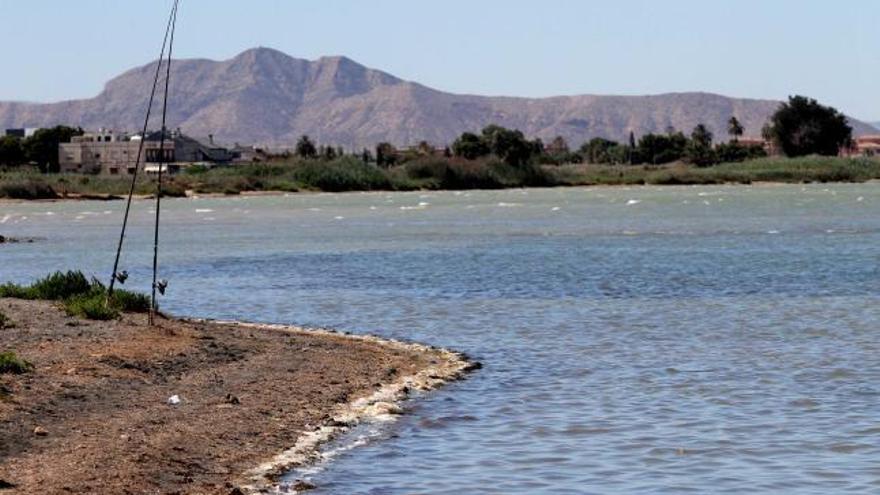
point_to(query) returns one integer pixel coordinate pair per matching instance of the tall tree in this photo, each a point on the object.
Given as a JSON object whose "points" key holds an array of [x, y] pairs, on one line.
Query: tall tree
{"points": [[699, 150], [662, 148], [509, 145], [386, 155], [42, 146], [558, 146], [470, 146], [632, 148], [11, 152], [597, 150], [801, 126], [735, 129], [305, 148]]}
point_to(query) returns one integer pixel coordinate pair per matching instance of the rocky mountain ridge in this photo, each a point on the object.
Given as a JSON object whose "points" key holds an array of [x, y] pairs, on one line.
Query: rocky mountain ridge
{"points": [[264, 96]]}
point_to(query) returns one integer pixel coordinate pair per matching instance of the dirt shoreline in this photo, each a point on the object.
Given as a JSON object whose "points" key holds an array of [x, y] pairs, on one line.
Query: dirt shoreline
{"points": [[255, 400]]}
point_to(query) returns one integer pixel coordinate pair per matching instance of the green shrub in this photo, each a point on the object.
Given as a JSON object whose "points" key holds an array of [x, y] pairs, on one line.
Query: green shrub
{"points": [[27, 189], [196, 170], [5, 322], [427, 168], [282, 185], [133, 302], [12, 364], [81, 297], [14, 290], [60, 286], [91, 306], [344, 174]]}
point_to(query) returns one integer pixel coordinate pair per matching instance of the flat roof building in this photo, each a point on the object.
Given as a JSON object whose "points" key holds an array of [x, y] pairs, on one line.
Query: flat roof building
{"points": [[112, 153]]}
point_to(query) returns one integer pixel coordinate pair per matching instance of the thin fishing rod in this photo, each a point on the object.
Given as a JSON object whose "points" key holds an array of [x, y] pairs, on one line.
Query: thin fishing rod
{"points": [[162, 164], [140, 151]]}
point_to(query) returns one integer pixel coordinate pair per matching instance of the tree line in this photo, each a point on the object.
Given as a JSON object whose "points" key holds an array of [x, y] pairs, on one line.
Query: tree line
{"points": [[801, 126], [39, 149]]}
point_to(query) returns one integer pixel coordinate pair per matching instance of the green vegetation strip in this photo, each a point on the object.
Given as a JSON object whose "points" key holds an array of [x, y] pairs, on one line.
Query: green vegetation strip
{"points": [[775, 169], [80, 296], [438, 173]]}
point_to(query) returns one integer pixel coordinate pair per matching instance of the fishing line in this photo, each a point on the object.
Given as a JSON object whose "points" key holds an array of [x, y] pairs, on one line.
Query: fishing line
{"points": [[124, 275], [162, 163]]}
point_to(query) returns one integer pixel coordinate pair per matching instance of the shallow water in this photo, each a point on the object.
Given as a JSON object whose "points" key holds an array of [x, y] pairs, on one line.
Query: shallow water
{"points": [[635, 340]]}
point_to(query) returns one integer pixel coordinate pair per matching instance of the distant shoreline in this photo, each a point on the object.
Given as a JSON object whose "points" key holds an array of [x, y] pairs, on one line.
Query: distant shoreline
{"points": [[344, 175], [259, 194]]}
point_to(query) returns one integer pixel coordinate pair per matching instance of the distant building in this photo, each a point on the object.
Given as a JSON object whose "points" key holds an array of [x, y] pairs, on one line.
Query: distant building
{"points": [[865, 146], [21, 132], [423, 149], [111, 153], [251, 154], [752, 141]]}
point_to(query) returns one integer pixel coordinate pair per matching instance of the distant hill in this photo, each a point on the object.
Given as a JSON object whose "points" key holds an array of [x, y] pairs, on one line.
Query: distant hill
{"points": [[876, 125], [264, 96]]}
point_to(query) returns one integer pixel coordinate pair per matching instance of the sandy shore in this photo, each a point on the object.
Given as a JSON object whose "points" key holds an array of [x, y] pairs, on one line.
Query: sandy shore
{"points": [[94, 414]]}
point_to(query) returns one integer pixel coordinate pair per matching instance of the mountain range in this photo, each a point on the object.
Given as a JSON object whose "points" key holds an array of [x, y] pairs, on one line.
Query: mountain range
{"points": [[263, 96]]}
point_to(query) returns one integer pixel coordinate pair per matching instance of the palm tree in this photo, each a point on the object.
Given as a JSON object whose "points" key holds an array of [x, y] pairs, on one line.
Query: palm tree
{"points": [[735, 129]]}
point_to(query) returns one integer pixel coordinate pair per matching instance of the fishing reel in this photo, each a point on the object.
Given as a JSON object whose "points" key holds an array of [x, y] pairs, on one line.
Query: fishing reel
{"points": [[161, 285], [121, 277]]}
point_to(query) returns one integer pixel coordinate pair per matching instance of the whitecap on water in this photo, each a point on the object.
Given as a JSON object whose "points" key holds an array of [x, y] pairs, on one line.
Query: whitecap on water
{"points": [[555, 208], [5, 218], [633, 201], [204, 210], [338, 218]]}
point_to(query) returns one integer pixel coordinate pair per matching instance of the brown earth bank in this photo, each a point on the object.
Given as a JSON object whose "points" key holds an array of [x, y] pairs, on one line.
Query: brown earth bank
{"points": [[93, 416]]}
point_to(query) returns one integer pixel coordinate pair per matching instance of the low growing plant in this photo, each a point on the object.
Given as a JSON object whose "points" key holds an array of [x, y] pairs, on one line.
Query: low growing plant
{"points": [[5, 322], [12, 364], [80, 296], [91, 306]]}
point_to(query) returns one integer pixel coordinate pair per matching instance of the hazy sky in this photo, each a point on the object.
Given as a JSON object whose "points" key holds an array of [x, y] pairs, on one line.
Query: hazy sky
{"points": [[59, 49]]}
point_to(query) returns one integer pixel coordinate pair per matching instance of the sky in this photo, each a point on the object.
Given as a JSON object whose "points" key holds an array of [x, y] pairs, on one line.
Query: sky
{"points": [[58, 49]]}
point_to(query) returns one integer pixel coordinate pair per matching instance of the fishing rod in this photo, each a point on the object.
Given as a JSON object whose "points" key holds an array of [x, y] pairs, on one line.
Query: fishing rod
{"points": [[161, 284], [123, 275]]}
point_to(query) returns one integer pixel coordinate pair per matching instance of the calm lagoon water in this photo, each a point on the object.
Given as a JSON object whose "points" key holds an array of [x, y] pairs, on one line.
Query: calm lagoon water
{"points": [[635, 340]]}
